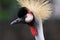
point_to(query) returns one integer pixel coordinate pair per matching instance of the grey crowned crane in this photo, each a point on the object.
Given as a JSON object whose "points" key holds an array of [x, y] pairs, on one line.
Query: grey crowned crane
{"points": [[33, 13]]}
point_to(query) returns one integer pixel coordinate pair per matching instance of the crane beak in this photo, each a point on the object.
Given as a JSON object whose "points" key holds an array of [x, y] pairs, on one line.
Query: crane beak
{"points": [[16, 21]]}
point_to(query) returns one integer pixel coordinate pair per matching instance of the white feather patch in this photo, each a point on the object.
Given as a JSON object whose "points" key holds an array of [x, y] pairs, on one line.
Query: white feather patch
{"points": [[29, 18]]}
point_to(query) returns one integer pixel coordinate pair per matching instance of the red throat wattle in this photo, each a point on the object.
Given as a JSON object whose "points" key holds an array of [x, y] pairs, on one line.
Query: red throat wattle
{"points": [[32, 28], [33, 31]]}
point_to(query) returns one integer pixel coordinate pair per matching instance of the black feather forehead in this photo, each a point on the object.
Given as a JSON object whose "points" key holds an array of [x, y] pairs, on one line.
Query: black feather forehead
{"points": [[22, 12]]}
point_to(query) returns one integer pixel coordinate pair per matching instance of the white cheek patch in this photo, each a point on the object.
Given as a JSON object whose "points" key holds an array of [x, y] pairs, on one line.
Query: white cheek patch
{"points": [[29, 18]]}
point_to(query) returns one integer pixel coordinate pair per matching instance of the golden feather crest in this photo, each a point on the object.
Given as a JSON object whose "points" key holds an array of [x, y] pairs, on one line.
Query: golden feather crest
{"points": [[41, 8]]}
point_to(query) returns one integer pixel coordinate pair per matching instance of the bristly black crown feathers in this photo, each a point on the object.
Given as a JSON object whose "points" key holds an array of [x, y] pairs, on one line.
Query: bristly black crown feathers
{"points": [[22, 12]]}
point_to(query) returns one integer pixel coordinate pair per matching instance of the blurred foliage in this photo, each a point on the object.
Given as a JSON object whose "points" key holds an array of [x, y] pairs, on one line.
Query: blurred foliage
{"points": [[8, 8]]}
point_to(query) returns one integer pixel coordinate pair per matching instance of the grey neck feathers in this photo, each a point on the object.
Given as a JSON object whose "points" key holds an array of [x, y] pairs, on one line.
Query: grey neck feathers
{"points": [[39, 26]]}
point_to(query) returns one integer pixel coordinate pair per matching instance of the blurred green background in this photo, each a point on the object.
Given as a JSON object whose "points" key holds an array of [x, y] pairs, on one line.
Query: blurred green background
{"points": [[8, 8]]}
